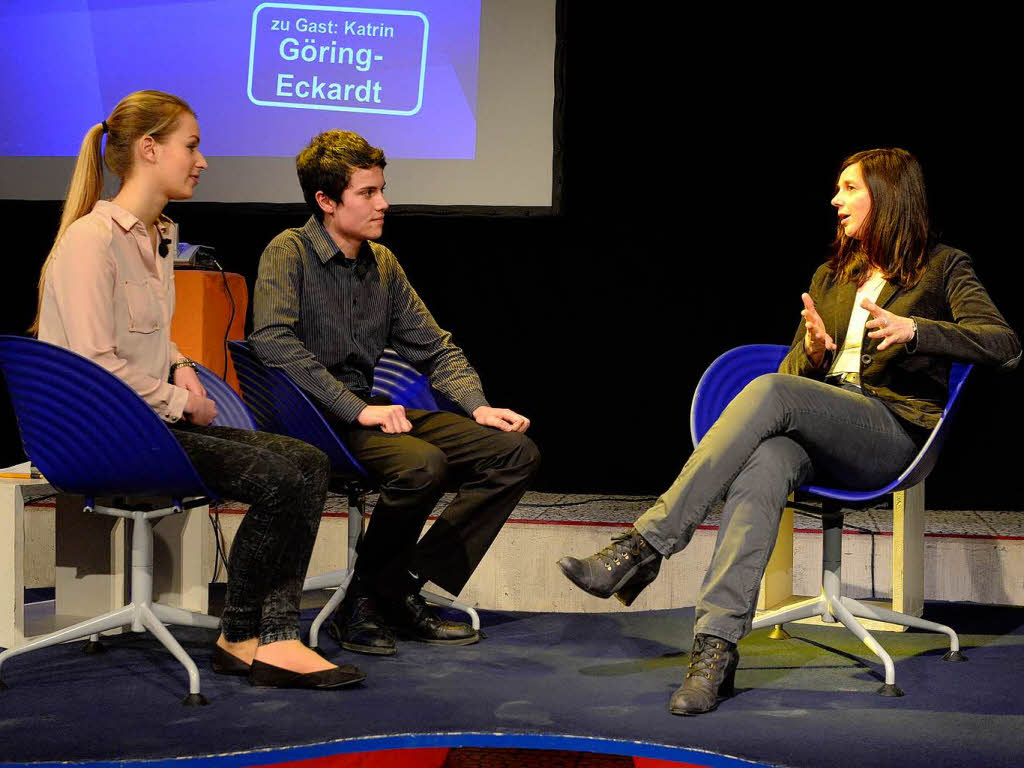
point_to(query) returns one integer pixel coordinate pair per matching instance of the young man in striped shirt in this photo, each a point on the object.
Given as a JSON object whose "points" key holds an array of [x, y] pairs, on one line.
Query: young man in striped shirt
{"points": [[328, 299]]}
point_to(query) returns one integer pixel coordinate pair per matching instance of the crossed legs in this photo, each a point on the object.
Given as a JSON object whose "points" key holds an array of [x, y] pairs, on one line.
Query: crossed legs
{"points": [[777, 434]]}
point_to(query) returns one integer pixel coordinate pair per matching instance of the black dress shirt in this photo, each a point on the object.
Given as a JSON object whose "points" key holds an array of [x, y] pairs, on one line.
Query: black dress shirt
{"points": [[325, 319]]}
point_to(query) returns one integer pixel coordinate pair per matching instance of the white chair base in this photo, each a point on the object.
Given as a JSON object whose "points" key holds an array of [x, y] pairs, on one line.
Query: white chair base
{"points": [[832, 607], [342, 578], [141, 614]]}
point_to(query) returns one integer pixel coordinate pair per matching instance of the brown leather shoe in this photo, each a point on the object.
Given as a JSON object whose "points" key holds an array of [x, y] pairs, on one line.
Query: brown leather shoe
{"points": [[710, 676]]}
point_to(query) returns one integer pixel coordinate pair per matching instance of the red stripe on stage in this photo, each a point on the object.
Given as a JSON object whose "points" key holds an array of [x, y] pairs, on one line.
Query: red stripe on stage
{"points": [[430, 758], [386, 758]]}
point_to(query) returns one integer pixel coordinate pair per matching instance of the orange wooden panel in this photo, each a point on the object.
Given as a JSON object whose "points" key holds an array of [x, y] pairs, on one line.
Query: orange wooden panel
{"points": [[201, 314]]}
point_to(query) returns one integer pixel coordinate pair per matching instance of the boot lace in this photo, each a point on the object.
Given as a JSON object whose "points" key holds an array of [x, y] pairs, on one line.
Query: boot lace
{"points": [[709, 655], [624, 547]]}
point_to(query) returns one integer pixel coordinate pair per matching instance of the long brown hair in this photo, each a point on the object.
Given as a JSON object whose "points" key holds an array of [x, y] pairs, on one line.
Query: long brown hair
{"points": [[143, 113], [895, 236]]}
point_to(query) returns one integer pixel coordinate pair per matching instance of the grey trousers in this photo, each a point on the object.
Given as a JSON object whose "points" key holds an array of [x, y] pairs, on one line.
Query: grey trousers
{"points": [[776, 435]]}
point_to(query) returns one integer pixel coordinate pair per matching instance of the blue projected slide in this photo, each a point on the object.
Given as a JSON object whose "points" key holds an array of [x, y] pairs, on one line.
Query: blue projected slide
{"points": [[262, 77], [391, 49]]}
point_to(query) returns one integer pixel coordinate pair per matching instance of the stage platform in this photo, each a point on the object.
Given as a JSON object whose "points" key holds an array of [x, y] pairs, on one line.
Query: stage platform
{"points": [[563, 671], [598, 683], [968, 555]]}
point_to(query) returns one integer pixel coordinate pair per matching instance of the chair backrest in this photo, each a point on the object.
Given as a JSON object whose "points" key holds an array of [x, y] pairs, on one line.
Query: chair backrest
{"points": [[231, 409], [732, 371], [86, 430], [394, 378], [725, 378], [402, 384], [279, 406]]}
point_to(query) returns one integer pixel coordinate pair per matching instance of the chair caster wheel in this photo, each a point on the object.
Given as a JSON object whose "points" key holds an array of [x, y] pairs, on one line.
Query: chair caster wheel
{"points": [[91, 648], [889, 690], [779, 633], [954, 656], [195, 700]]}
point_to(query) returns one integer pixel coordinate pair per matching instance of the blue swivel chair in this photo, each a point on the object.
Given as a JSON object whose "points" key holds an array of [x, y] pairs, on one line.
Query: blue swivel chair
{"points": [[721, 382], [231, 409], [91, 434], [278, 405]]}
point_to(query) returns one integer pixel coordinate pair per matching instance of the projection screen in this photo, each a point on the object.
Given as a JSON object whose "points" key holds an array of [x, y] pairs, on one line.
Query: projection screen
{"points": [[458, 93]]}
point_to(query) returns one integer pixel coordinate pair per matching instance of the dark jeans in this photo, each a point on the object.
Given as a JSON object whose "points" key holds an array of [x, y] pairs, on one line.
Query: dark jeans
{"points": [[776, 435], [490, 470], [285, 483]]}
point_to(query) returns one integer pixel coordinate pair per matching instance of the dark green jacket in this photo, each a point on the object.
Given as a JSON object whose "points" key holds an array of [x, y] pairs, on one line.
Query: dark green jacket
{"points": [[956, 322]]}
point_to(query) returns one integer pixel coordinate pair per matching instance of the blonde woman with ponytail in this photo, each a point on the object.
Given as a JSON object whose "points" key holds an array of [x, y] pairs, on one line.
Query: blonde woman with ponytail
{"points": [[107, 292]]}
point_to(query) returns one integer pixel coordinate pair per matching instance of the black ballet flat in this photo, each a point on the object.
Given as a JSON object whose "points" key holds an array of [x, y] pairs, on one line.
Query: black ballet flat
{"points": [[262, 675], [225, 663]]}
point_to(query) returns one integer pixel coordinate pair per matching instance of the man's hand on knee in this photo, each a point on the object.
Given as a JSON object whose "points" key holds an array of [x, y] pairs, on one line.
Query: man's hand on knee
{"points": [[501, 418], [390, 418]]}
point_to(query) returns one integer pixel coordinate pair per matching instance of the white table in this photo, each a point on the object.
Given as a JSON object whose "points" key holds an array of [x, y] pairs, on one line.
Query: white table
{"points": [[92, 556]]}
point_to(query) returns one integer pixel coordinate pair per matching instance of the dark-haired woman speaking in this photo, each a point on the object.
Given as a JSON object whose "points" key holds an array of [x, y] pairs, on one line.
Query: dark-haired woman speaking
{"points": [[864, 382]]}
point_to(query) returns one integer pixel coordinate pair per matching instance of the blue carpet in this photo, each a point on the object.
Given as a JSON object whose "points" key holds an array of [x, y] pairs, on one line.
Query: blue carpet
{"points": [[808, 701]]}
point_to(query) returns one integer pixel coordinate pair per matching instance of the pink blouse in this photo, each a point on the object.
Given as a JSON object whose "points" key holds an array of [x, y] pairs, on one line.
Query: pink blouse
{"points": [[109, 297]]}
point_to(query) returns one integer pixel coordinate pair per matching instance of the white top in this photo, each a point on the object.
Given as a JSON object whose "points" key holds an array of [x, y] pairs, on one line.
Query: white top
{"points": [[848, 359]]}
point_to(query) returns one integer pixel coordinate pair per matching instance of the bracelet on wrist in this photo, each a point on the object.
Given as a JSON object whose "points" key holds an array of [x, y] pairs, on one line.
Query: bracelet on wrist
{"points": [[183, 363], [911, 346]]}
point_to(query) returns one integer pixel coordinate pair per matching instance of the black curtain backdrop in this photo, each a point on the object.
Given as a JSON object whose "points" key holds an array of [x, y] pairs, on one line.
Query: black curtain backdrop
{"points": [[699, 161]]}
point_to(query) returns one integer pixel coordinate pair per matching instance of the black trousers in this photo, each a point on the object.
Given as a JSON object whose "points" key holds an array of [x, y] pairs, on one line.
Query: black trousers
{"points": [[489, 469]]}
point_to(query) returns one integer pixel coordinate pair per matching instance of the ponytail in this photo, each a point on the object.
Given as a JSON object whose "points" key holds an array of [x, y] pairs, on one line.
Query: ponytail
{"points": [[143, 113], [84, 190]]}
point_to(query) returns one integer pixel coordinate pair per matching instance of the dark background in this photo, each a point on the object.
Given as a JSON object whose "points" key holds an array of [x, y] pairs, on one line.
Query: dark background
{"points": [[698, 162]]}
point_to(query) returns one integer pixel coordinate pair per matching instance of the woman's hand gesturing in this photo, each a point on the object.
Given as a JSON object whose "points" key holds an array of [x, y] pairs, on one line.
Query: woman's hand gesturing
{"points": [[816, 339], [891, 329]]}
